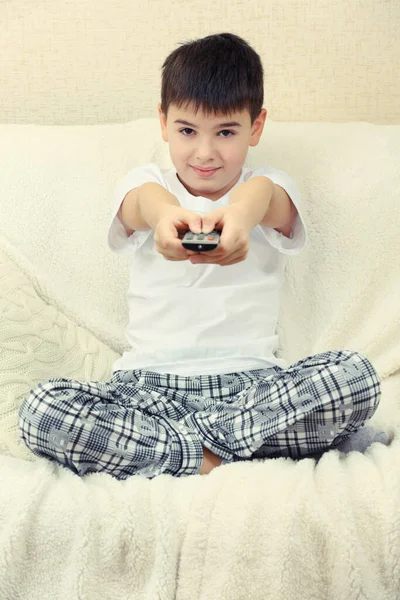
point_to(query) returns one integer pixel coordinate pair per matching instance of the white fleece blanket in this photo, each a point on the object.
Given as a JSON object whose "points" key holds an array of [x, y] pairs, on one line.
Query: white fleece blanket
{"points": [[262, 530], [259, 530]]}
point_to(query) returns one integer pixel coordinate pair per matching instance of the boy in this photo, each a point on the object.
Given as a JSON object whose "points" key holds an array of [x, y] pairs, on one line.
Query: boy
{"points": [[201, 385]]}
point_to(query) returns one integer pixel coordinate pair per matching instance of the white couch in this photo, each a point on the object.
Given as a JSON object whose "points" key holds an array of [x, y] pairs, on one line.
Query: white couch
{"points": [[264, 529]]}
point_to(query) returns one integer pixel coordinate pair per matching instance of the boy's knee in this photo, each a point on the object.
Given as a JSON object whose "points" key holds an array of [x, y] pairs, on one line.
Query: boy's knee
{"points": [[358, 359], [364, 382], [39, 416], [30, 404], [358, 365]]}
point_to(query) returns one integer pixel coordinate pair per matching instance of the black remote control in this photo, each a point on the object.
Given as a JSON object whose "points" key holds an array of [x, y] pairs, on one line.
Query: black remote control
{"points": [[201, 242]]}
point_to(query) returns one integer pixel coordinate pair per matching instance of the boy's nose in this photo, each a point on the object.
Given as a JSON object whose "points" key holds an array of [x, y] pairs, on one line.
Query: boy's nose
{"points": [[204, 153]]}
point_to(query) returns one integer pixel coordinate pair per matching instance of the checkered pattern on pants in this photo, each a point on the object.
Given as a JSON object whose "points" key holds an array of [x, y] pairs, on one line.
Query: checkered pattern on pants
{"points": [[146, 423]]}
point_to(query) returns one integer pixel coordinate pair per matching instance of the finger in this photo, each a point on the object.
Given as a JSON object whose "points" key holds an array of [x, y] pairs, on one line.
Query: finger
{"points": [[211, 219], [170, 245], [224, 251], [175, 256], [195, 224], [208, 225], [214, 256], [219, 253], [234, 258], [228, 239], [173, 253], [207, 258]]}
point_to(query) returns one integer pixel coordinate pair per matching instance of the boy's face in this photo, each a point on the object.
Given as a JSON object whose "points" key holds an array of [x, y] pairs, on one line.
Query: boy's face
{"points": [[208, 144]]}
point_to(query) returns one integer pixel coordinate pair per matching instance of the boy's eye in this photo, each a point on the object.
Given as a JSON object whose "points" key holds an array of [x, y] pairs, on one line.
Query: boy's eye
{"points": [[222, 131], [185, 129]]}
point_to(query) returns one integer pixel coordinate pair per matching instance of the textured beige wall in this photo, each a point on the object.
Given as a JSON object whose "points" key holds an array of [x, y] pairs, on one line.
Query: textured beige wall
{"points": [[94, 61]]}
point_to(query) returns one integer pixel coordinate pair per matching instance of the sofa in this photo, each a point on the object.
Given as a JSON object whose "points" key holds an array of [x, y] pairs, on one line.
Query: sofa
{"points": [[262, 529]]}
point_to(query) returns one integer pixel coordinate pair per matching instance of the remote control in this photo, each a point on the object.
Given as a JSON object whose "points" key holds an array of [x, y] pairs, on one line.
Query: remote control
{"points": [[201, 242]]}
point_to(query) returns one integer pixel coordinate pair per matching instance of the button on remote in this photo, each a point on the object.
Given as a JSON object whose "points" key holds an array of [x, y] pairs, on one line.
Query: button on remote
{"points": [[201, 242]]}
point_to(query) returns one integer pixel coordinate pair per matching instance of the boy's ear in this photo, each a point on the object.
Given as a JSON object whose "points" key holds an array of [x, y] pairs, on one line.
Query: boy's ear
{"points": [[163, 123], [258, 127]]}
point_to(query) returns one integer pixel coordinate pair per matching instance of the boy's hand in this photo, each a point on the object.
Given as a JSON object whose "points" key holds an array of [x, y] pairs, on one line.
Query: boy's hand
{"points": [[233, 244], [175, 220]]}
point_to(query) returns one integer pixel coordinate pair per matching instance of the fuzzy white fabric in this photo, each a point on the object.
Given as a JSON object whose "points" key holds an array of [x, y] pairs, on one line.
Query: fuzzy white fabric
{"points": [[265, 529], [259, 530]]}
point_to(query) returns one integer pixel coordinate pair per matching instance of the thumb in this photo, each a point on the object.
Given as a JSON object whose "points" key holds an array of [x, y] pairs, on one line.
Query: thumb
{"points": [[210, 219], [195, 224]]}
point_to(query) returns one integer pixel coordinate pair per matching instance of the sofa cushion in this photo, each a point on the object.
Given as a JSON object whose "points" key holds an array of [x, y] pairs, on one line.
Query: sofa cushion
{"points": [[38, 342]]}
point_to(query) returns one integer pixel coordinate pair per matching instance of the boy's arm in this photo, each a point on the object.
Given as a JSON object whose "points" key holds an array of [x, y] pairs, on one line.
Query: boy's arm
{"points": [[265, 203], [128, 230], [142, 207]]}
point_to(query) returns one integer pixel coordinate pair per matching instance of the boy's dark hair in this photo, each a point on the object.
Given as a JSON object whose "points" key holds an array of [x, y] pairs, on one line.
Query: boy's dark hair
{"points": [[220, 73]]}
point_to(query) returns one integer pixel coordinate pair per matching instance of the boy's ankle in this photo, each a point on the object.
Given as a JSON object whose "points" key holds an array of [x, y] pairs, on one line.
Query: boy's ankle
{"points": [[210, 461]]}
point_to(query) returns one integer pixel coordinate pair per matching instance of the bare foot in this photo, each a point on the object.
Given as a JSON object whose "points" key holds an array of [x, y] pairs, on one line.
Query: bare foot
{"points": [[210, 461]]}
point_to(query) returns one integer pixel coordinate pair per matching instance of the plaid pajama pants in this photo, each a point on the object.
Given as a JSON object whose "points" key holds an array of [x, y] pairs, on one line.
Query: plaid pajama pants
{"points": [[146, 423]]}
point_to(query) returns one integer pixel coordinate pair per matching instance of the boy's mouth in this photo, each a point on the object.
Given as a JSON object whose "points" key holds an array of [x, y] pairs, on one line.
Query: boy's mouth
{"points": [[205, 172]]}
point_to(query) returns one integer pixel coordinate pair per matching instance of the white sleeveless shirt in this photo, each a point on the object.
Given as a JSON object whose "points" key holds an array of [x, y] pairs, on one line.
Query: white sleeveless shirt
{"points": [[205, 319]]}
